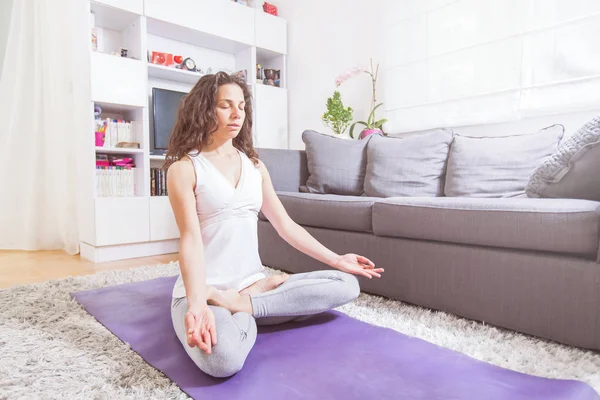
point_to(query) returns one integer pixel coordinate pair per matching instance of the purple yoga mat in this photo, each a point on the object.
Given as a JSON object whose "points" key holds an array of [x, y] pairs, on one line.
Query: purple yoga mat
{"points": [[329, 356]]}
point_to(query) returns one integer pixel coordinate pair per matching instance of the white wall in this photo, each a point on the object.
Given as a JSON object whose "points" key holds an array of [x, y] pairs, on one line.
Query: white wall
{"points": [[324, 39], [5, 12], [467, 62]]}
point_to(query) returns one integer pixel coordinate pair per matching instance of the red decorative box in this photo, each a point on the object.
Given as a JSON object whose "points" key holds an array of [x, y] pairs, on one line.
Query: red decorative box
{"points": [[269, 8], [161, 58]]}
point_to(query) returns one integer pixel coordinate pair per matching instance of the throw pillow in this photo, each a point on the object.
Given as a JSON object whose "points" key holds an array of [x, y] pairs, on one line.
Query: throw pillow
{"points": [[573, 170], [497, 166], [335, 165], [410, 167]]}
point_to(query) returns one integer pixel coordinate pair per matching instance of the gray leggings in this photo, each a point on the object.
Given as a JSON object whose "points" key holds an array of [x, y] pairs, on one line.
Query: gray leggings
{"points": [[300, 296]]}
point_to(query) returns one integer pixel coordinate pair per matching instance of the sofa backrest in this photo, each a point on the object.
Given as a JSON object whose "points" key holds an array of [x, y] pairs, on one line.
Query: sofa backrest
{"points": [[288, 168]]}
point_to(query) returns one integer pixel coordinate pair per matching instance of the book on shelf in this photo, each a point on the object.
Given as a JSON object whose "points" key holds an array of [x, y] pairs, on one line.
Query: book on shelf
{"points": [[114, 133], [158, 182], [115, 181], [115, 176]]}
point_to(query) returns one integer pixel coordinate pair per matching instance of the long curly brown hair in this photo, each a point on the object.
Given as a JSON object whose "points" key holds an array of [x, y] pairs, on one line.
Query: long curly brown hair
{"points": [[197, 119]]}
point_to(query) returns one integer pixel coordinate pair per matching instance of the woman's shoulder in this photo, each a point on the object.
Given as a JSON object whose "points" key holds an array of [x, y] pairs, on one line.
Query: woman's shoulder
{"points": [[182, 170], [184, 162], [261, 168]]}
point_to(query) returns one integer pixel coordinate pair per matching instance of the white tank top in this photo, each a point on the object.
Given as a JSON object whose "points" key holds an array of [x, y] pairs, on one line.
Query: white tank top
{"points": [[228, 218]]}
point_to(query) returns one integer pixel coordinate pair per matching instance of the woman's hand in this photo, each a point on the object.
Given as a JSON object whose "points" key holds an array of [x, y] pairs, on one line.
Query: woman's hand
{"points": [[357, 265], [200, 327]]}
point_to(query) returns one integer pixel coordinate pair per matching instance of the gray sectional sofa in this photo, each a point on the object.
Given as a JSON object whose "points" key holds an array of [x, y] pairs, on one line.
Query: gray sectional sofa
{"points": [[455, 240]]}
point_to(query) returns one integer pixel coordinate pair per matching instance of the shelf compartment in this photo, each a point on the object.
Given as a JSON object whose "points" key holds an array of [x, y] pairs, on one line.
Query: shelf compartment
{"points": [[117, 29], [108, 15], [133, 115], [271, 60], [138, 181]]}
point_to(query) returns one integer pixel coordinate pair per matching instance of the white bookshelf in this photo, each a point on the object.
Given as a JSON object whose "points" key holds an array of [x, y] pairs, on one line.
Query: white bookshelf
{"points": [[217, 34]]}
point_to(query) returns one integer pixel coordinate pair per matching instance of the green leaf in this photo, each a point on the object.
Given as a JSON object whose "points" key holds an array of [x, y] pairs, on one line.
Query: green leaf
{"points": [[372, 114], [380, 123], [352, 127]]}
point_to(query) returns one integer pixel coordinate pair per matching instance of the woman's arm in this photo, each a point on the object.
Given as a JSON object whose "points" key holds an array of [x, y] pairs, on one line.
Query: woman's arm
{"points": [[199, 320], [303, 241], [181, 180]]}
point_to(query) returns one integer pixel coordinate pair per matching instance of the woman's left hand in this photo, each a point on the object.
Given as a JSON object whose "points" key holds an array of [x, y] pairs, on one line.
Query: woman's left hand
{"points": [[357, 265]]}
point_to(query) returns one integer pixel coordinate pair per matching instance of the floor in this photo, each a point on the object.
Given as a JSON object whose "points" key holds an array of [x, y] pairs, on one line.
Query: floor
{"points": [[24, 267]]}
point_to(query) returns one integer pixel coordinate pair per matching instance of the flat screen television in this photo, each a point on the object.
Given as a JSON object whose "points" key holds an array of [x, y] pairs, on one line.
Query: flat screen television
{"points": [[165, 104]]}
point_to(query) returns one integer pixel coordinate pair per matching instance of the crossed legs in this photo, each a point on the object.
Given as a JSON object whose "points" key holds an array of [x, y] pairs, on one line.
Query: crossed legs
{"points": [[299, 296]]}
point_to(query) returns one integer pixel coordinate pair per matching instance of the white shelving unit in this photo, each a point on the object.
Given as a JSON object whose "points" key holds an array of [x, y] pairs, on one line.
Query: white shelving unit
{"points": [[217, 34]]}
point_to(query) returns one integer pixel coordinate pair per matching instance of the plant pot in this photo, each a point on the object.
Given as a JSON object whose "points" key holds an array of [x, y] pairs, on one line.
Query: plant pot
{"points": [[368, 132]]}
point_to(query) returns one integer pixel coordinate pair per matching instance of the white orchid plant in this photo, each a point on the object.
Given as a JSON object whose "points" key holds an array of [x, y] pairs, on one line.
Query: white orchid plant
{"points": [[372, 123]]}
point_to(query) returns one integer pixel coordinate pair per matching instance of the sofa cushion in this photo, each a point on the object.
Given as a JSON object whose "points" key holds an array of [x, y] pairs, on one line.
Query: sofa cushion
{"points": [[497, 166], [562, 226], [572, 171], [348, 213], [335, 165], [412, 166]]}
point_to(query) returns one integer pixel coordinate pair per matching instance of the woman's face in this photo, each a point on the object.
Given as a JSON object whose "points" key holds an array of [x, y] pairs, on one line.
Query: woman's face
{"points": [[230, 110]]}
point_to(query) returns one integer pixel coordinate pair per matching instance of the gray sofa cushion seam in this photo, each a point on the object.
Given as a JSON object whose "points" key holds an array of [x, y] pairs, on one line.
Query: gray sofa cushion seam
{"points": [[326, 200], [489, 210]]}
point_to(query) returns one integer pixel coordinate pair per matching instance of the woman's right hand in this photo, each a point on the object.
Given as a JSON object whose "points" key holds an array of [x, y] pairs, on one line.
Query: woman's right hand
{"points": [[200, 327]]}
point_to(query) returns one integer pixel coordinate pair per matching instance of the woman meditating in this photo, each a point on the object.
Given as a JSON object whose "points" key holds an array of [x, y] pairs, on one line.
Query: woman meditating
{"points": [[216, 187]]}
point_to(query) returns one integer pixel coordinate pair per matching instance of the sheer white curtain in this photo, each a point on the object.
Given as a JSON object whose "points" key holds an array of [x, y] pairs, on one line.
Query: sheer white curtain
{"points": [[44, 111]]}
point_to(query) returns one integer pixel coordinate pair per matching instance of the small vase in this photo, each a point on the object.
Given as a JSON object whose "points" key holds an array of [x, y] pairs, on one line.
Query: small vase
{"points": [[368, 132]]}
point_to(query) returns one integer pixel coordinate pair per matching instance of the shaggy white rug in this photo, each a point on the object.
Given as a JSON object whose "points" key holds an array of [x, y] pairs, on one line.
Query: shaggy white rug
{"points": [[51, 348]]}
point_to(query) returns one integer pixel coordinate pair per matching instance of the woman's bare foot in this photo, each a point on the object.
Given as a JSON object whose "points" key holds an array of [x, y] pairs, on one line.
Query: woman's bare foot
{"points": [[229, 299], [264, 285]]}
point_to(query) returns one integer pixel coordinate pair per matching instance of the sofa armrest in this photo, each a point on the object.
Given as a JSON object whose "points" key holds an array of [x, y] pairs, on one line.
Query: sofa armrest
{"points": [[288, 168]]}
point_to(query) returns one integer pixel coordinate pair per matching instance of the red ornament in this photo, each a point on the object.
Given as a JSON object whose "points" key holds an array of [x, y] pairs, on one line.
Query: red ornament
{"points": [[269, 8], [178, 59]]}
